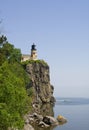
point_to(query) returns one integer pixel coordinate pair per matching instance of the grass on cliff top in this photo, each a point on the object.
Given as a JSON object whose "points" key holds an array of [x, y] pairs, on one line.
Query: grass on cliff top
{"points": [[24, 63]]}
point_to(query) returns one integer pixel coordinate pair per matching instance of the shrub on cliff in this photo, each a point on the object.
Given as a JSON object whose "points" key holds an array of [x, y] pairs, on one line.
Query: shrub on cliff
{"points": [[42, 62], [8, 51], [14, 100]]}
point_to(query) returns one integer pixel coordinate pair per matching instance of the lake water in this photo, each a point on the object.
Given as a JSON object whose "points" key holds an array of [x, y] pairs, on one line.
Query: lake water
{"points": [[76, 110]]}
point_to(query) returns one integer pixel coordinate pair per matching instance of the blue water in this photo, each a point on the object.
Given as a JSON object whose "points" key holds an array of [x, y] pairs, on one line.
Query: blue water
{"points": [[76, 110]]}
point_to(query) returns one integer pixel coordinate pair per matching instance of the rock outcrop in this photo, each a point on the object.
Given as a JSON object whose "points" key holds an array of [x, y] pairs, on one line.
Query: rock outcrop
{"points": [[39, 121], [42, 114], [38, 72]]}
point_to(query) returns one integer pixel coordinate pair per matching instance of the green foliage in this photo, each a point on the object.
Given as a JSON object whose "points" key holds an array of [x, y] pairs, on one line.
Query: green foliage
{"points": [[3, 40], [41, 62], [30, 91], [14, 100], [8, 52], [24, 63]]}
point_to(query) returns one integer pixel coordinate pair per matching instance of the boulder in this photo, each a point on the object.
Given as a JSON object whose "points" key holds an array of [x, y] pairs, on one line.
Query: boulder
{"points": [[37, 116], [31, 120], [61, 119], [46, 120], [42, 124], [50, 120]]}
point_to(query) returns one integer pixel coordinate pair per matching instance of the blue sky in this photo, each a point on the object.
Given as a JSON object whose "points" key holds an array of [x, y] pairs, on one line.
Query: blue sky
{"points": [[60, 29]]}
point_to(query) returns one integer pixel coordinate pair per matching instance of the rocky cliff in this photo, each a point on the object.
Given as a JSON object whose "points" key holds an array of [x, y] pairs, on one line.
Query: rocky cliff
{"points": [[42, 114], [38, 72]]}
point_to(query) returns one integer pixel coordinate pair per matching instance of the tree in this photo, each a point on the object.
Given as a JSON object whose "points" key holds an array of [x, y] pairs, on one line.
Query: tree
{"points": [[8, 51], [14, 101]]}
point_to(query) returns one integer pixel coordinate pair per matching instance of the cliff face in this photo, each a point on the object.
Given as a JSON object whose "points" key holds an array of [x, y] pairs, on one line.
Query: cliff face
{"points": [[40, 81]]}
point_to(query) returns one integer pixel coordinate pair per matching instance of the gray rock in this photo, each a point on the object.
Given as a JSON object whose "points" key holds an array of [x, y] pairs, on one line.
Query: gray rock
{"points": [[37, 116], [42, 124], [27, 121], [50, 120], [40, 81], [31, 120], [61, 119], [28, 127]]}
